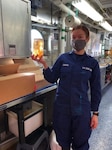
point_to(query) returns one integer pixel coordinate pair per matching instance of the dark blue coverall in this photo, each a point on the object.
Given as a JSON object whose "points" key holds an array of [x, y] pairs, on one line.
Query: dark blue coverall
{"points": [[72, 108]]}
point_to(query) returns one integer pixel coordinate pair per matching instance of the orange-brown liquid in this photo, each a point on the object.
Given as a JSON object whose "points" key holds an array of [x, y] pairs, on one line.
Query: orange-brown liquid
{"points": [[38, 48]]}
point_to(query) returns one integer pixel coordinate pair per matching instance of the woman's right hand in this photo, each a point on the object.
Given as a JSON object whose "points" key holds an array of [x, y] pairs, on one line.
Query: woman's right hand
{"points": [[94, 121], [40, 60]]}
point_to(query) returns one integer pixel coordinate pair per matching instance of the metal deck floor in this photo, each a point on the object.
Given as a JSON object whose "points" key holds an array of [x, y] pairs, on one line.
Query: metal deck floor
{"points": [[101, 138]]}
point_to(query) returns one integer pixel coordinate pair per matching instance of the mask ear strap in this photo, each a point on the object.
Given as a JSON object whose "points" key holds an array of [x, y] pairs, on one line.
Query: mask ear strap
{"points": [[87, 39]]}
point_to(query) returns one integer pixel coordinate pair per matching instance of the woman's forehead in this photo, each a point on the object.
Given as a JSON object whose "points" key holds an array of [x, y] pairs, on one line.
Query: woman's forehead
{"points": [[78, 32]]}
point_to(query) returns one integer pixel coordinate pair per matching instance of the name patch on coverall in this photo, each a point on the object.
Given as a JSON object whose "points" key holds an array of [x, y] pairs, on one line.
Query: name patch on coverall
{"points": [[86, 68]]}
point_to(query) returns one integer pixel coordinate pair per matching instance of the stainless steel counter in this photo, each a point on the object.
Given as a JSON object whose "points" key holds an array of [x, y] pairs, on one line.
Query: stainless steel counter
{"points": [[106, 71]]}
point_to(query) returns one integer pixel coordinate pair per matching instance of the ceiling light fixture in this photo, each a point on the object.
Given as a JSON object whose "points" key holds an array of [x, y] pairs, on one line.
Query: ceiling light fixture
{"points": [[106, 25], [89, 11]]}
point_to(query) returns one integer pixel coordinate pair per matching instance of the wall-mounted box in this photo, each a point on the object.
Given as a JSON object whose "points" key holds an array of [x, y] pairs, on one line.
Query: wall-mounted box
{"points": [[15, 28]]}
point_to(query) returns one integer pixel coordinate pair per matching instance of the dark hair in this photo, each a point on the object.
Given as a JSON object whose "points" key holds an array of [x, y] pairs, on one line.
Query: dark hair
{"points": [[84, 28]]}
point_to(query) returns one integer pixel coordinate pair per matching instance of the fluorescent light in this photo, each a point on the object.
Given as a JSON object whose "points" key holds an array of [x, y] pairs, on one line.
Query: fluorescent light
{"points": [[106, 25], [88, 10]]}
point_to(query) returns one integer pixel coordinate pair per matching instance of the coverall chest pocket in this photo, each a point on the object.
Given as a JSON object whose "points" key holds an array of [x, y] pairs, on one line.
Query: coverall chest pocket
{"points": [[65, 71], [85, 75], [80, 76]]}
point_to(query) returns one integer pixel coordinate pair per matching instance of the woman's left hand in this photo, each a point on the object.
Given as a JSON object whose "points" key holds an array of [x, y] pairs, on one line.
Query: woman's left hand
{"points": [[94, 121]]}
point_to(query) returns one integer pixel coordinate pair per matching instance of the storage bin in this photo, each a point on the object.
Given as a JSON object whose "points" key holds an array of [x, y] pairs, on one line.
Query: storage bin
{"points": [[33, 119]]}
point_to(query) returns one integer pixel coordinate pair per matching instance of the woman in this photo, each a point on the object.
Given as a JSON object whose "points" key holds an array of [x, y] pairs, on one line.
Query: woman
{"points": [[76, 71]]}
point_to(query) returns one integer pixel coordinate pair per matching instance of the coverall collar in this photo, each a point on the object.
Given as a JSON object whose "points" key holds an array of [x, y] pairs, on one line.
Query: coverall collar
{"points": [[76, 56]]}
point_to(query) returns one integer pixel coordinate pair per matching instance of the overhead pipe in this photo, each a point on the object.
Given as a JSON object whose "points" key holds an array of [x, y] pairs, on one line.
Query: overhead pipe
{"points": [[63, 7], [44, 26], [63, 35], [78, 20]]}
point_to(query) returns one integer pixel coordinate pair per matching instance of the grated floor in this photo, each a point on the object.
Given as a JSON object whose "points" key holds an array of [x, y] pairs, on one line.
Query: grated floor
{"points": [[101, 138]]}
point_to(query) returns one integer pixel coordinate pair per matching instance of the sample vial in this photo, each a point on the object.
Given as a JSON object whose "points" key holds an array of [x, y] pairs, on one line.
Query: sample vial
{"points": [[38, 48]]}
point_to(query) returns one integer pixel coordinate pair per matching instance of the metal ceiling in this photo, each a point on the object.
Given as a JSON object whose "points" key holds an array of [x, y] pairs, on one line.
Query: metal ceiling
{"points": [[106, 3], [104, 7]]}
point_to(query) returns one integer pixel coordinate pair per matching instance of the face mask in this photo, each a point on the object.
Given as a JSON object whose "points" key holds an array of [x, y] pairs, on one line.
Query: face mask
{"points": [[78, 44]]}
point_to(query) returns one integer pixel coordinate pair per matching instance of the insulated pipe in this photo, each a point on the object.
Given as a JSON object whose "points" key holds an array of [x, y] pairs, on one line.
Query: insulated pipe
{"points": [[63, 7], [63, 34], [67, 10], [78, 21]]}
